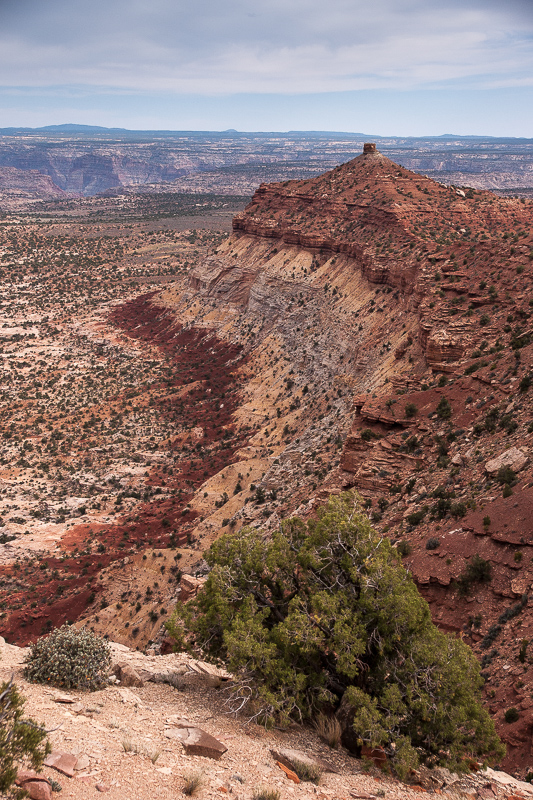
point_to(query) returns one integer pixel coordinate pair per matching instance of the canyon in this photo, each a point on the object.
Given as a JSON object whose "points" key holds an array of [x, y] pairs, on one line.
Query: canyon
{"points": [[168, 379], [81, 161]]}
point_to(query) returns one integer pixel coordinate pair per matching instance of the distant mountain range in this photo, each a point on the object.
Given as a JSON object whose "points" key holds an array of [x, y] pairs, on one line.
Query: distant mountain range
{"points": [[75, 128]]}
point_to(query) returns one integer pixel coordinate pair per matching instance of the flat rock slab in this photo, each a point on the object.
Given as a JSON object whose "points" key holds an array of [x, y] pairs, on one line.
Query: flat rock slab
{"points": [[197, 742], [290, 757], [63, 762], [82, 763], [63, 698], [515, 458]]}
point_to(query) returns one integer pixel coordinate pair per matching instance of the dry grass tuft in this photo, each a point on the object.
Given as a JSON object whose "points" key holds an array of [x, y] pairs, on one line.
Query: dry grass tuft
{"points": [[264, 793], [130, 746], [192, 781], [329, 729], [307, 772]]}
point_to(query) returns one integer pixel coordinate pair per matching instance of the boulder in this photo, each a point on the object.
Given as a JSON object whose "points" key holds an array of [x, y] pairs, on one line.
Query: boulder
{"points": [[197, 742], [200, 743], [127, 675], [189, 586], [345, 714], [172, 678], [180, 733], [37, 786], [166, 646], [65, 699], [515, 458]]}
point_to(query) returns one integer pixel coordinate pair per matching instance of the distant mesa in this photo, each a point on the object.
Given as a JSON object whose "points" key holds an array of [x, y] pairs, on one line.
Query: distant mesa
{"points": [[369, 147]]}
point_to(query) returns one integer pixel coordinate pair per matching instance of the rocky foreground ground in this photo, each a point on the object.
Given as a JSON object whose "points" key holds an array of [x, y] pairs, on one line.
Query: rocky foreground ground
{"points": [[166, 721]]}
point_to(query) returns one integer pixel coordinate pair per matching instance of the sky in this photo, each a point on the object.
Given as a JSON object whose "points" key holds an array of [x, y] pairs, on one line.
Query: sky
{"points": [[381, 67]]}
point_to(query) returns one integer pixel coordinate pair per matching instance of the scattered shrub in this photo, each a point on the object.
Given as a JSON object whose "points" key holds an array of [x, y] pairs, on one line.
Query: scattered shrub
{"points": [[441, 508], [525, 383], [416, 517], [458, 510], [475, 366], [410, 410], [411, 444], [512, 611], [511, 715], [382, 503], [508, 424], [491, 418], [506, 475], [504, 617], [260, 495], [70, 658], [444, 409], [433, 543], [404, 548], [490, 636], [367, 435], [478, 570]]}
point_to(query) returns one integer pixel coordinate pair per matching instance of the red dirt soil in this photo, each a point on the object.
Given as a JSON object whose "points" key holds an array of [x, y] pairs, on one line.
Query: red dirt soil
{"points": [[196, 358]]}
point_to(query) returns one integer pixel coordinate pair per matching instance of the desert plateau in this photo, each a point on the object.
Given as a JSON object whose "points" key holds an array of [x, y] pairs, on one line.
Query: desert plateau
{"points": [[202, 345]]}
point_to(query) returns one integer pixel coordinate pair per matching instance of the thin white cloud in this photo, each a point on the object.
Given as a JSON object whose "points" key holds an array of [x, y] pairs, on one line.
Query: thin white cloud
{"points": [[209, 47]]}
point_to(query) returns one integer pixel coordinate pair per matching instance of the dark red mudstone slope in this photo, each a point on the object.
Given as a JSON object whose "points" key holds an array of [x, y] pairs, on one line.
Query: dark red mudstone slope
{"points": [[42, 596]]}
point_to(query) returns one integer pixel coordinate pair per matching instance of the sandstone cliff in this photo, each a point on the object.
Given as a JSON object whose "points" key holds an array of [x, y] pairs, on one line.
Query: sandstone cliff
{"points": [[385, 318]]}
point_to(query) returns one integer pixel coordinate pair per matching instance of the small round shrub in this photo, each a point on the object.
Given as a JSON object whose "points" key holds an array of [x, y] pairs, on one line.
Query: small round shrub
{"points": [[444, 409], [511, 715], [70, 658], [506, 475], [404, 548], [410, 410], [458, 510], [433, 543]]}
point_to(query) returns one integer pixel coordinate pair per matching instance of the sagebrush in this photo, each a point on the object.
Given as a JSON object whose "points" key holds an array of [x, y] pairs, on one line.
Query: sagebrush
{"points": [[70, 658]]}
